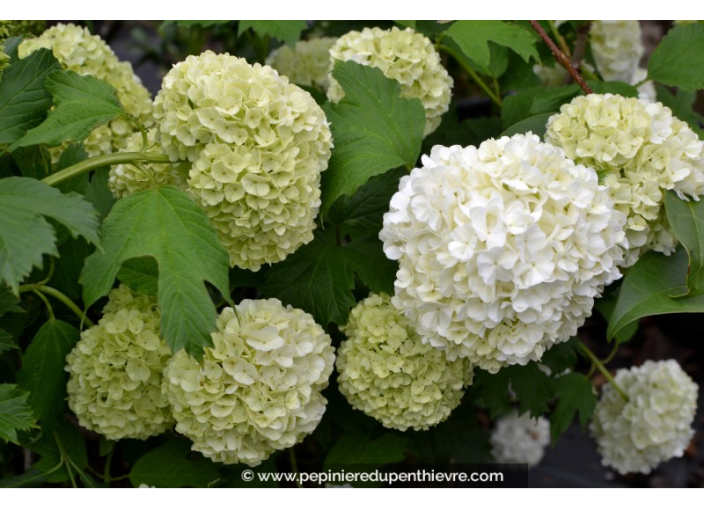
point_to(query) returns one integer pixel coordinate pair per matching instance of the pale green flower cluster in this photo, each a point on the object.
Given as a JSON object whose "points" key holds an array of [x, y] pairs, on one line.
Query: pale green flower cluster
{"points": [[258, 389], [116, 368], [258, 145], [520, 439], [127, 179], [307, 64], [79, 51], [653, 425], [617, 48], [402, 55], [639, 151], [387, 372], [21, 27]]}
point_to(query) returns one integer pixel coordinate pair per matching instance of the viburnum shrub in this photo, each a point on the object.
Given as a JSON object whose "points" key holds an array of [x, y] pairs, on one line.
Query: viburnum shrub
{"points": [[307, 248]]}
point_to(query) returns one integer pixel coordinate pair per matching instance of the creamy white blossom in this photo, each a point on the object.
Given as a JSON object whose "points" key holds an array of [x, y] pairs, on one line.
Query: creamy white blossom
{"points": [[653, 425], [617, 48], [520, 439], [402, 55], [639, 151], [502, 249], [116, 368], [308, 63], [257, 389], [387, 372]]}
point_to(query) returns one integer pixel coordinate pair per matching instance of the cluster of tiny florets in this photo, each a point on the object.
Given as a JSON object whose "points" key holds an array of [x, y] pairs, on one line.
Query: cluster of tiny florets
{"points": [[307, 64], [258, 389], [402, 55], [258, 145], [639, 150], [502, 249], [617, 48], [520, 439], [387, 372], [116, 368], [653, 425], [79, 51]]}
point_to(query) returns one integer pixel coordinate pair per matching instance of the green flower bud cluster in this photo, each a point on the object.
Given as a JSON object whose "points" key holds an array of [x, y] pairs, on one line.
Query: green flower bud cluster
{"points": [[387, 372], [258, 389], [402, 55], [116, 370], [79, 51], [258, 145], [307, 64]]}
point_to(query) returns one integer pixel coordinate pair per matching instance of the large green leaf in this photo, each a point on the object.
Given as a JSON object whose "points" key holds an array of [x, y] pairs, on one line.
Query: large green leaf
{"points": [[140, 274], [473, 39], [355, 448], [576, 396], [15, 413], [23, 99], [167, 225], [682, 106], [288, 31], [678, 60], [686, 217], [82, 104], [374, 129], [42, 372], [168, 466], [25, 235], [652, 287], [536, 124]]}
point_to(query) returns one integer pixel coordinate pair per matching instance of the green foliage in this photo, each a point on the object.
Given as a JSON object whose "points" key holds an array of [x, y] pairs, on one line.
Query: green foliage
{"points": [[167, 225], [288, 31], [678, 60], [375, 130], [682, 106], [15, 413], [576, 396], [686, 217], [532, 387], [82, 104], [170, 465], [606, 306], [356, 448], [25, 235], [140, 274]]}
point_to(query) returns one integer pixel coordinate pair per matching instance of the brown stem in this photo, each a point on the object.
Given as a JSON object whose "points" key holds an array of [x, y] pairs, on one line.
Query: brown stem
{"points": [[561, 57], [581, 45]]}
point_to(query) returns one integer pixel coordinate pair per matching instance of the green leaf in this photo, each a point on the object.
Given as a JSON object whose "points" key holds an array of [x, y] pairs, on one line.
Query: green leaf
{"points": [[576, 396], [34, 162], [140, 274], [375, 130], [678, 60], [15, 413], [605, 305], [682, 106], [366, 255], [82, 104], [59, 441], [167, 225], [536, 125], [6, 341], [355, 448], [25, 235], [8, 302], [561, 357], [288, 31], [197, 22], [686, 217], [406, 23], [168, 466], [23, 99], [68, 267], [74, 153], [42, 372], [651, 287], [613, 87], [98, 192], [473, 39]]}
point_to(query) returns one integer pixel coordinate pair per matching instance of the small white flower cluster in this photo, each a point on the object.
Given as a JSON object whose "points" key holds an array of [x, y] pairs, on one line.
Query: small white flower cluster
{"points": [[116, 370], [258, 388], [502, 248], [258, 145], [307, 64], [639, 150], [402, 55], [520, 439], [386, 371], [653, 425], [79, 51]]}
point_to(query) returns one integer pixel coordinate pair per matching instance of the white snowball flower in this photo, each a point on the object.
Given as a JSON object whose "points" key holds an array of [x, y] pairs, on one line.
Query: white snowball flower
{"points": [[617, 48], [502, 249], [520, 439], [308, 63], [654, 425]]}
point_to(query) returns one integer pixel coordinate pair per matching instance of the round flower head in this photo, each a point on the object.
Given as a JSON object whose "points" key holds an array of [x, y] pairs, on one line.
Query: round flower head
{"points": [[127, 179], [402, 55], [21, 27], [617, 48], [520, 439], [639, 150], [258, 388], [258, 144], [653, 425], [307, 64], [79, 51], [502, 249], [387, 372], [116, 368]]}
